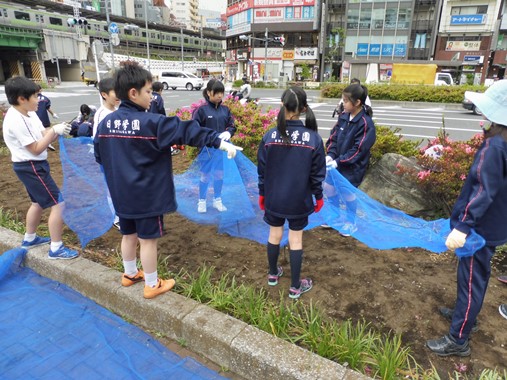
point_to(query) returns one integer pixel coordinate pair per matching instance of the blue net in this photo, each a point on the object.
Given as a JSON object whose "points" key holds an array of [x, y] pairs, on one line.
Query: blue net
{"points": [[346, 208], [88, 207], [63, 335]]}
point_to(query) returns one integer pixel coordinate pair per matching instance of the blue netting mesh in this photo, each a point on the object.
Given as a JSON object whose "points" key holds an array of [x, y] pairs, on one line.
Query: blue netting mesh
{"points": [[377, 226], [88, 208], [50, 331]]}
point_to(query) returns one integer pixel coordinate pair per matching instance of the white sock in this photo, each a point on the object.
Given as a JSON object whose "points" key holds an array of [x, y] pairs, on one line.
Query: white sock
{"points": [[130, 267], [151, 279], [30, 237], [55, 245]]}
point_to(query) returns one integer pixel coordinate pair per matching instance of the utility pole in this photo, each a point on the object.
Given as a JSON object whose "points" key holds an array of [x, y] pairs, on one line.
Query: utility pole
{"points": [[266, 55], [182, 57], [147, 35], [109, 33]]}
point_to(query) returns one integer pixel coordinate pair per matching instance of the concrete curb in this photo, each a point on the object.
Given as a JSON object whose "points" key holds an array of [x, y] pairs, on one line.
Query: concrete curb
{"points": [[228, 342]]}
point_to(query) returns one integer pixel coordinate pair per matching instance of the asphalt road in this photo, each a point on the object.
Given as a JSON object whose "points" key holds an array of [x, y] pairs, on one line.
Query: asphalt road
{"points": [[419, 121]]}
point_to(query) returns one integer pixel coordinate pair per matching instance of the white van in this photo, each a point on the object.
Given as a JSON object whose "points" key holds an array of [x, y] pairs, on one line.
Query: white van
{"points": [[443, 79], [180, 79]]}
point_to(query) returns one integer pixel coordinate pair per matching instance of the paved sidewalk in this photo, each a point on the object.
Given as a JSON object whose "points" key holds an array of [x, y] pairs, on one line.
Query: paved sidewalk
{"points": [[228, 342]]}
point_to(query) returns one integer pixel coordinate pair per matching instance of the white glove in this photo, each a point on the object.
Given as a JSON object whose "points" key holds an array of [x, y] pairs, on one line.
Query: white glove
{"points": [[330, 162], [229, 148], [456, 239], [55, 116], [226, 136], [61, 129]]}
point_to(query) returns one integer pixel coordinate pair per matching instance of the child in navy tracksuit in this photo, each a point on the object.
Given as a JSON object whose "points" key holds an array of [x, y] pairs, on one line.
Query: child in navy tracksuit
{"points": [[134, 147], [291, 168], [157, 102], [481, 205], [348, 147], [213, 114]]}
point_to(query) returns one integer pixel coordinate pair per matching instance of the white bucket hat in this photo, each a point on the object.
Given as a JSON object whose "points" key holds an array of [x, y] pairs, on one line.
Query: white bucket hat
{"points": [[493, 102]]}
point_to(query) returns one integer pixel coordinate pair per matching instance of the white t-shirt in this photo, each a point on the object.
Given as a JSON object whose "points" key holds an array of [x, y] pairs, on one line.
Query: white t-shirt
{"points": [[101, 113], [20, 131]]}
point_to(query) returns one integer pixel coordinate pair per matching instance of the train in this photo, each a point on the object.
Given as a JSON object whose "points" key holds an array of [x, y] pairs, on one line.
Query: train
{"points": [[166, 40]]}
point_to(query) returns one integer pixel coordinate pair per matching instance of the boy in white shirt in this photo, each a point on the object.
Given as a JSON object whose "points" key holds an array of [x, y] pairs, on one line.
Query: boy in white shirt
{"points": [[28, 141], [109, 102]]}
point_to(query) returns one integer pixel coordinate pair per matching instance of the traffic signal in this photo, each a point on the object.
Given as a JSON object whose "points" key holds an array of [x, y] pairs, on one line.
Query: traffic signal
{"points": [[279, 39], [71, 21]]}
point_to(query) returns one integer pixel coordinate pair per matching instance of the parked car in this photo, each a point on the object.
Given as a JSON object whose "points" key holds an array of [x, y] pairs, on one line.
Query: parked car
{"points": [[468, 105], [180, 79]]}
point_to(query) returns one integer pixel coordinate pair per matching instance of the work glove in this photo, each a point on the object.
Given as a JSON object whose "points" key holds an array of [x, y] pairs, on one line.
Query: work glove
{"points": [[226, 136], [229, 148], [319, 204], [331, 163], [261, 202], [456, 239], [61, 129], [55, 116]]}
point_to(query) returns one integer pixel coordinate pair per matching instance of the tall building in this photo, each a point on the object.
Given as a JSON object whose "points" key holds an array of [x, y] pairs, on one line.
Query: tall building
{"points": [[186, 12], [343, 38]]}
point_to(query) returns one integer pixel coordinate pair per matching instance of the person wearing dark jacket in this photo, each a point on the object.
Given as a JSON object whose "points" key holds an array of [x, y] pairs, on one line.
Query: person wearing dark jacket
{"points": [[482, 206], [157, 102], [291, 168], [214, 115], [349, 145], [134, 148]]}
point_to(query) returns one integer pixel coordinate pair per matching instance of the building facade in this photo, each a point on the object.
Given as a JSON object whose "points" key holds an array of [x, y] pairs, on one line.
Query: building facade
{"points": [[340, 38]]}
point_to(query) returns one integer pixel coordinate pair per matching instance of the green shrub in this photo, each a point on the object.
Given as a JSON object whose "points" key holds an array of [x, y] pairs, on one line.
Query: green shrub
{"points": [[407, 93], [237, 83], [390, 141]]}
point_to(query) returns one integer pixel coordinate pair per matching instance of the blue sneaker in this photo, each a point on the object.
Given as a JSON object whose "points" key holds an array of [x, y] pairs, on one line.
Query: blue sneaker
{"points": [[273, 278], [305, 285], [39, 240], [63, 253]]}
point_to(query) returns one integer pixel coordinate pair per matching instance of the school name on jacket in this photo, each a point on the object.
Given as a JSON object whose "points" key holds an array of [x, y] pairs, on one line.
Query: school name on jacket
{"points": [[305, 137], [123, 127]]}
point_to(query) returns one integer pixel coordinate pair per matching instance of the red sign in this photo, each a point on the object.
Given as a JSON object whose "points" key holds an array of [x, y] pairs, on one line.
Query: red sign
{"points": [[282, 3], [239, 7]]}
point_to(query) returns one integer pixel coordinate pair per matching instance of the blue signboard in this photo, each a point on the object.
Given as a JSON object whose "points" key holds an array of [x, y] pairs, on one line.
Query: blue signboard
{"points": [[468, 19], [375, 50], [387, 49], [362, 50], [113, 28], [400, 50]]}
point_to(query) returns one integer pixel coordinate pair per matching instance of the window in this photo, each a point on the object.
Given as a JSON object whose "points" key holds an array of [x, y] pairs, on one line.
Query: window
{"points": [[470, 10], [22, 15], [55, 21], [4, 12]]}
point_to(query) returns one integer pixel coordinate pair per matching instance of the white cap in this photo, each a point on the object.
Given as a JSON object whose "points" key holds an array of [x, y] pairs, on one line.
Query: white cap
{"points": [[493, 102]]}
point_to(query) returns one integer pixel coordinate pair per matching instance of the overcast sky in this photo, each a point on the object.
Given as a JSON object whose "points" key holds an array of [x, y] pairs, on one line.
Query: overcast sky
{"points": [[210, 4]]}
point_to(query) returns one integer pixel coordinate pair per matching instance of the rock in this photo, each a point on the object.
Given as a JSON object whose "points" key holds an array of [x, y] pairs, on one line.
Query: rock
{"points": [[394, 190]]}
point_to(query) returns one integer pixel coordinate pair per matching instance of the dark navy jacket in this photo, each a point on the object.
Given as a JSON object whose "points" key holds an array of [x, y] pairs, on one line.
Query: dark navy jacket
{"points": [[482, 203], [216, 117], [134, 148], [157, 104], [42, 110], [289, 174], [349, 145]]}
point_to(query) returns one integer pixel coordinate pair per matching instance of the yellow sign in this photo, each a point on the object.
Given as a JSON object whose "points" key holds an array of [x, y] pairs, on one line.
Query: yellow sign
{"points": [[288, 55]]}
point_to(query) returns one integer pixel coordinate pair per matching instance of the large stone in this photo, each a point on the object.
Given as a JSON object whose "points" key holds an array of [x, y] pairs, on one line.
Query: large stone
{"points": [[384, 183]]}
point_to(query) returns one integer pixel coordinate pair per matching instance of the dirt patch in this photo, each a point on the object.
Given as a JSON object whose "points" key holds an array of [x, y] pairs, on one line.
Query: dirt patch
{"points": [[395, 290]]}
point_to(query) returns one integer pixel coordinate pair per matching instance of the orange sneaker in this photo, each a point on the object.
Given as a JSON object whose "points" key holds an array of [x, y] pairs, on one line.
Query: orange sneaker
{"points": [[161, 287], [128, 281]]}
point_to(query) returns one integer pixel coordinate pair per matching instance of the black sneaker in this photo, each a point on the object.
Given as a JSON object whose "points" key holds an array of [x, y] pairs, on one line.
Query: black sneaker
{"points": [[446, 346], [503, 310], [447, 314]]}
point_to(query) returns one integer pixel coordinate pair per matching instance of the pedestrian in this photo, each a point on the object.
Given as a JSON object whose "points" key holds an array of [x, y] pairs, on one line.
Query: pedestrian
{"points": [[82, 125], [134, 148], [482, 206], [349, 148], [28, 140], [109, 102], [43, 108], [291, 168], [157, 103], [214, 115]]}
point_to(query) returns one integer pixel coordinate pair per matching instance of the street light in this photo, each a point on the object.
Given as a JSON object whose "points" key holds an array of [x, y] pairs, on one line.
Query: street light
{"points": [[147, 35], [130, 27]]}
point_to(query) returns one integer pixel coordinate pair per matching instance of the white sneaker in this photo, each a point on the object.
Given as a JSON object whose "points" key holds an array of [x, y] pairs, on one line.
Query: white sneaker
{"points": [[201, 206], [217, 203]]}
